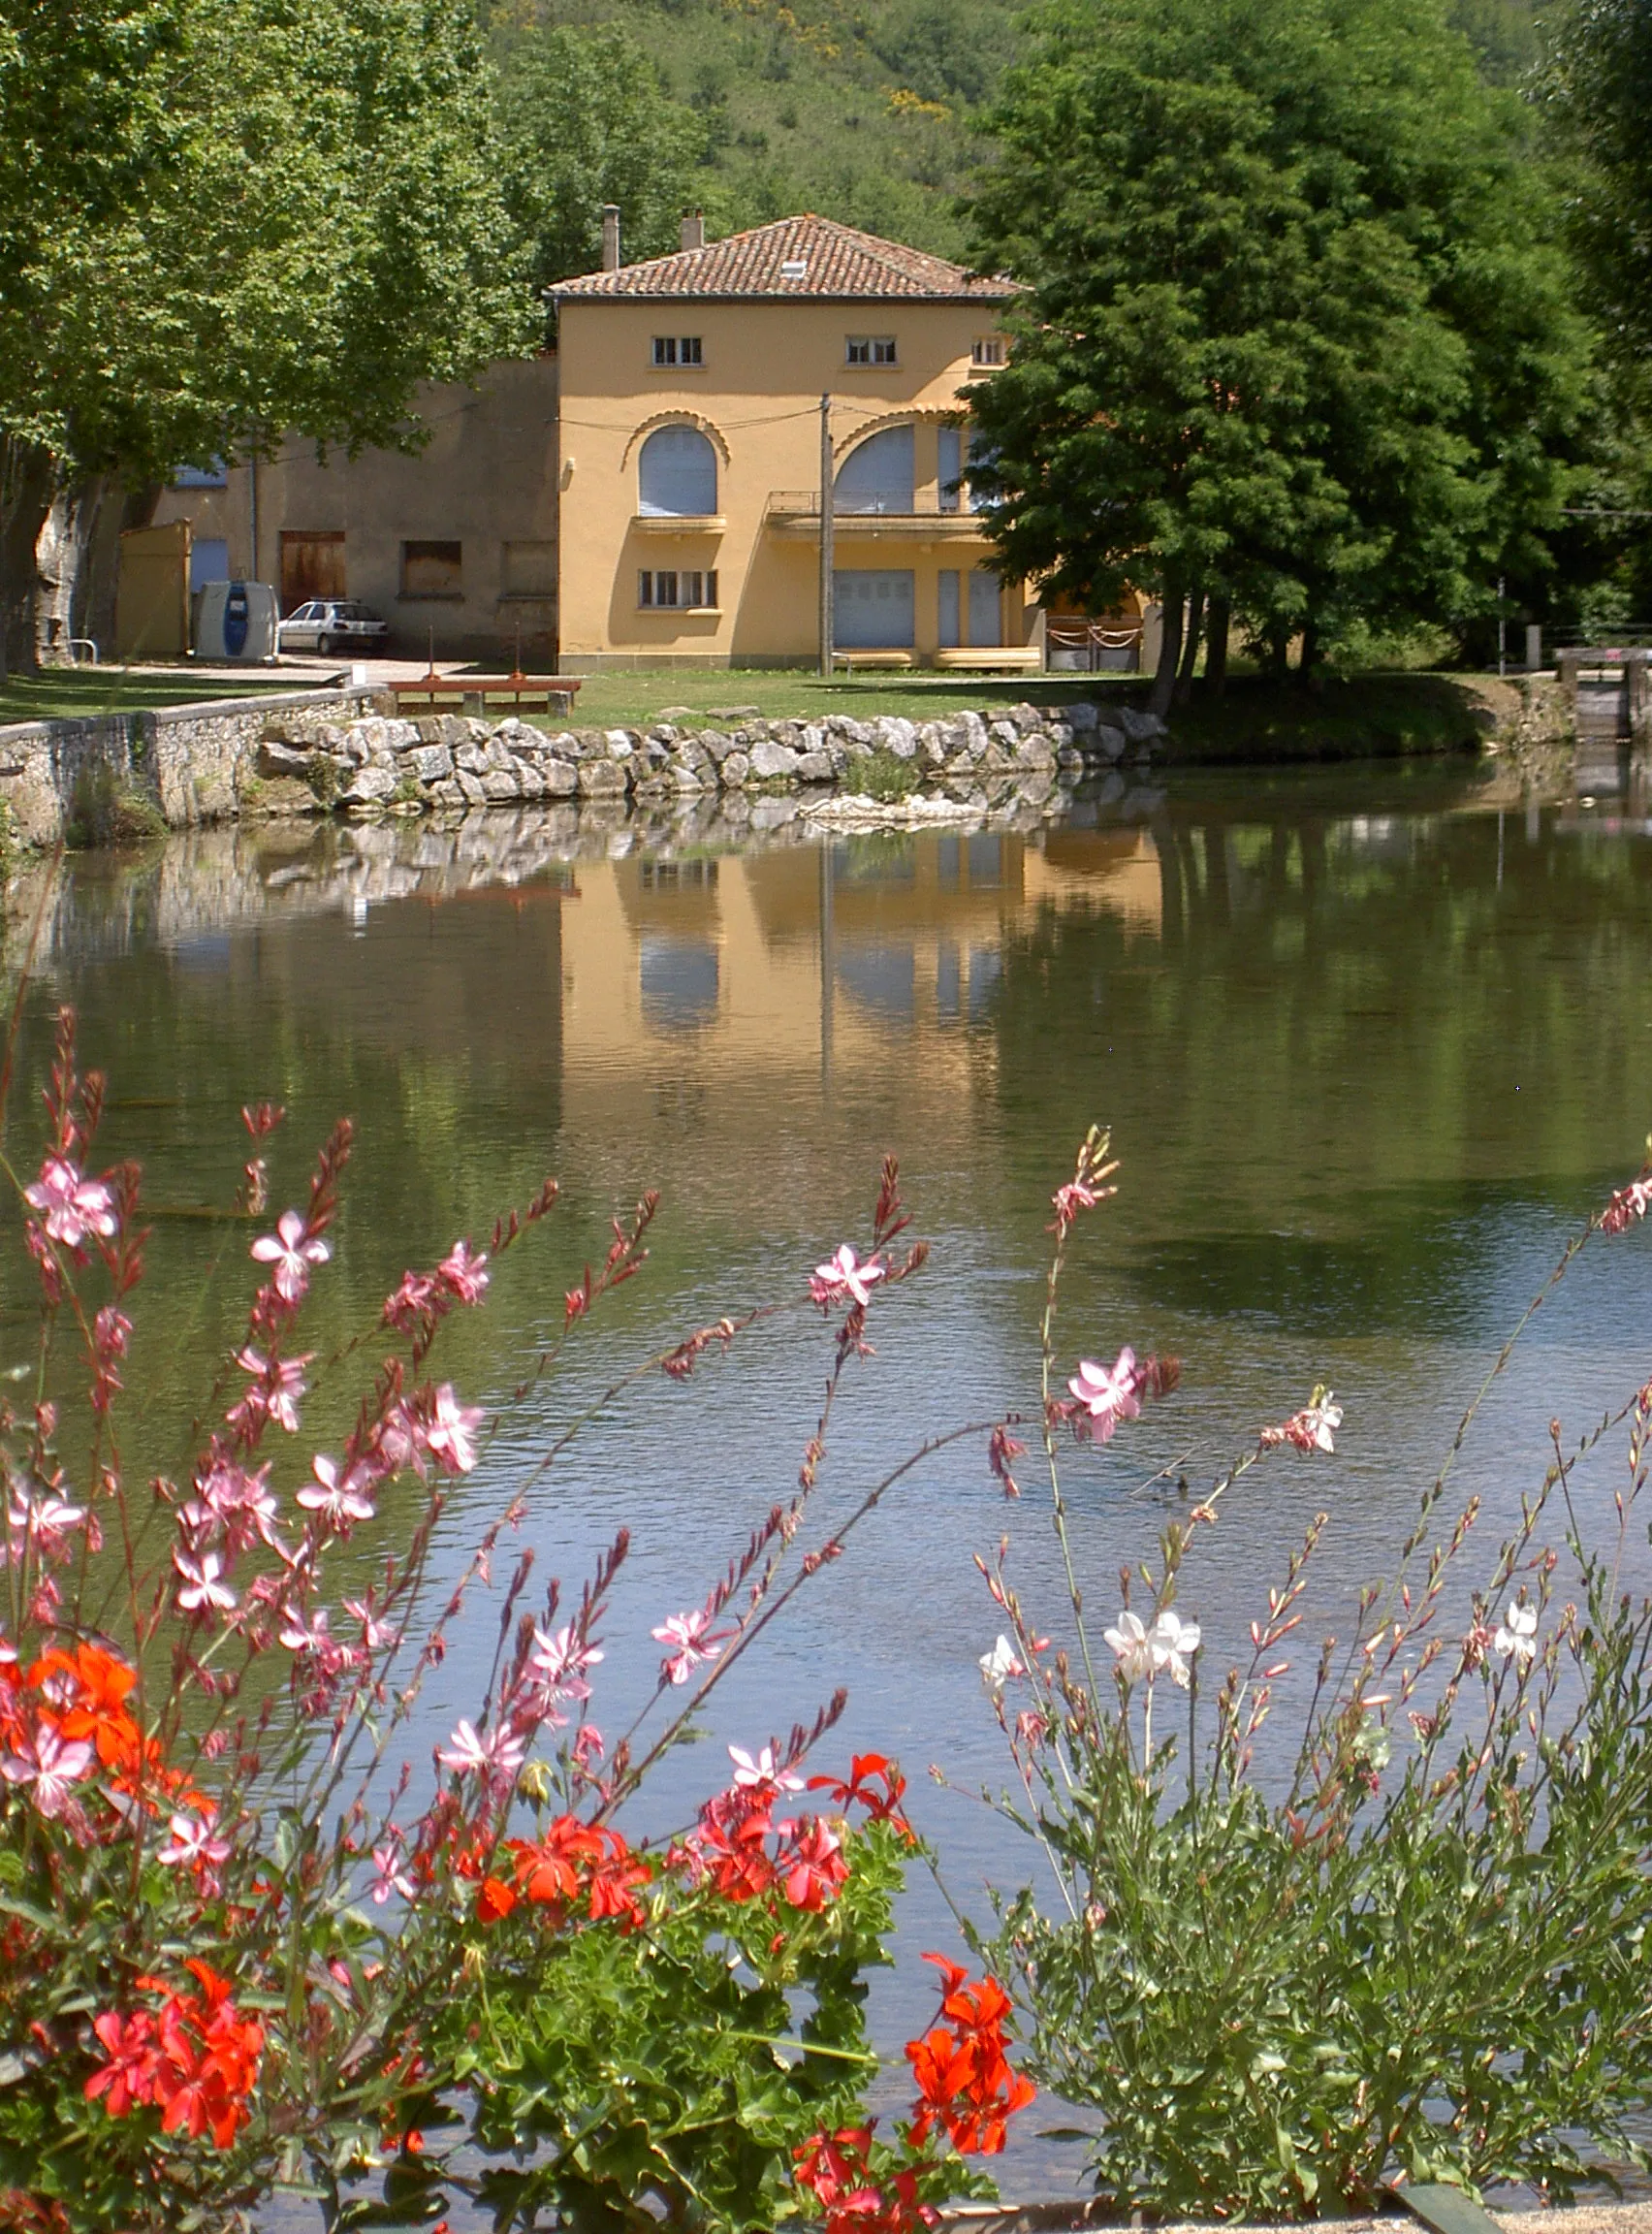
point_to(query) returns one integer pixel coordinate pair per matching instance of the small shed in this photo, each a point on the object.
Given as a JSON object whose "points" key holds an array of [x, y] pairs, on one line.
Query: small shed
{"points": [[151, 599]]}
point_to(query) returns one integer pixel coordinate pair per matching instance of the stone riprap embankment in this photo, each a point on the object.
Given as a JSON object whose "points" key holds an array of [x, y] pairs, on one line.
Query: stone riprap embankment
{"points": [[983, 764]]}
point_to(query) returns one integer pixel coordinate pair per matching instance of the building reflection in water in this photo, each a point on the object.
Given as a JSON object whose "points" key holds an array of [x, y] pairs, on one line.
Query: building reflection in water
{"points": [[802, 960]]}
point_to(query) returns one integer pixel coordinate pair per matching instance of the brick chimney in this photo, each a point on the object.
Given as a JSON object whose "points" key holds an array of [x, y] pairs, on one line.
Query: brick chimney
{"points": [[693, 229], [610, 236]]}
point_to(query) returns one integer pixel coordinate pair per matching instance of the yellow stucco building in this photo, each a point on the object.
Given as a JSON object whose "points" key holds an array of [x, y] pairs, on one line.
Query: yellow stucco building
{"points": [[689, 472]]}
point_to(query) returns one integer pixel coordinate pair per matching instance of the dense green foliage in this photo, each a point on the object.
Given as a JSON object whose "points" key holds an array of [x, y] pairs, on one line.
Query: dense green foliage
{"points": [[1297, 333], [759, 109], [221, 220]]}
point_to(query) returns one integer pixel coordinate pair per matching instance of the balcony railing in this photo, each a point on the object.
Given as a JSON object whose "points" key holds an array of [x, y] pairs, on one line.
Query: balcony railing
{"points": [[892, 511]]}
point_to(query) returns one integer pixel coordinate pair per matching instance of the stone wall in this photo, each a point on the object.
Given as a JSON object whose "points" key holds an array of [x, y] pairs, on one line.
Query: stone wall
{"points": [[193, 760], [313, 751], [452, 761]]}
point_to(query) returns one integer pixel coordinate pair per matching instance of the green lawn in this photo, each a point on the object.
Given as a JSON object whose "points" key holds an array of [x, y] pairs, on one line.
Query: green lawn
{"points": [[1362, 716], [79, 692], [793, 694]]}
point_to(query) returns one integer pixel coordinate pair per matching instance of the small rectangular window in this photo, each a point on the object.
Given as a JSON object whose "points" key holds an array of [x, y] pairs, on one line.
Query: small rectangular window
{"points": [[678, 349], [869, 349], [989, 350], [432, 569], [665, 589]]}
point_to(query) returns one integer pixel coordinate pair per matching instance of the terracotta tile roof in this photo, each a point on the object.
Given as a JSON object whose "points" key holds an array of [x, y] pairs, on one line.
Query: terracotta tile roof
{"points": [[837, 263]]}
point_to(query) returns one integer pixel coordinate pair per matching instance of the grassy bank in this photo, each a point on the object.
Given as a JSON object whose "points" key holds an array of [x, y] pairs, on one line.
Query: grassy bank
{"points": [[77, 693], [795, 695], [1370, 717], [1358, 717]]}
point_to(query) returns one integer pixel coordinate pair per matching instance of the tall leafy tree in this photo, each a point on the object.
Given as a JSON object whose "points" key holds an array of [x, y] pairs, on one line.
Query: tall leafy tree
{"points": [[587, 119], [1296, 341], [1598, 90], [248, 219]]}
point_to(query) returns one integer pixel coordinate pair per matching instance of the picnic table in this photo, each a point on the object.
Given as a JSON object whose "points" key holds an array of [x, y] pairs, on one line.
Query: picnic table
{"points": [[471, 693]]}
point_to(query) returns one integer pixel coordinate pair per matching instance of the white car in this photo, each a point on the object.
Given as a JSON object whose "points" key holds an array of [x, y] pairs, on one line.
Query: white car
{"points": [[331, 625]]}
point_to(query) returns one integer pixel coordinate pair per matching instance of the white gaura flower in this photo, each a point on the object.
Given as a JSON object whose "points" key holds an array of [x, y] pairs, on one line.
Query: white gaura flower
{"points": [[1000, 1666], [1516, 1637], [1174, 1643], [1133, 1649]]}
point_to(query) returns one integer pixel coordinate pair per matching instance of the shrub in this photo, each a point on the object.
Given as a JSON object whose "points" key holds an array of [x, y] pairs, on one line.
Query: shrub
{"points": [[244, 1947], [1417, 1953], [885, 776], [104, 809]]}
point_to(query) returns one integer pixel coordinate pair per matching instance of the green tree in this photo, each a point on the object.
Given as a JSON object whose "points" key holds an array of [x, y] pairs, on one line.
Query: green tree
{"points": [[1597, 95], [1297, 342], [222, 221], [586, 119]]}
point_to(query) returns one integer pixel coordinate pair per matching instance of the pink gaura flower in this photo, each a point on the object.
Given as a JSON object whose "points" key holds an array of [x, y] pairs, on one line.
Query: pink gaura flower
{"points": [[559, 1662], [292, 1249], [72, 1207], [232, 1500], [1108, 1397], [412, 1301], [277, 1385], [843, 1275], [374, 1630], [462, 1274], [1068, 1200], [340, 1498], [192, 1842], [50, 1764], [448, 1434], [693, 1641], [1312, 1428], [1627, 1204], [203, 1583], [47, 1522], [300, 1633], [588, 1745], [112, 1331], [388, 1876], [497, 1756], [763, 1773]]}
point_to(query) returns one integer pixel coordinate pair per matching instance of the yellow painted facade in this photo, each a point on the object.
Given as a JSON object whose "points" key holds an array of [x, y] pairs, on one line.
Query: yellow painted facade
{"points": [[754, 393]]}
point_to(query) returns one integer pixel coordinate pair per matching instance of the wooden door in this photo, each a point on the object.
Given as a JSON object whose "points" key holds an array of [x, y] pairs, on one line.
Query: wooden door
{"points": [[312, 566]]}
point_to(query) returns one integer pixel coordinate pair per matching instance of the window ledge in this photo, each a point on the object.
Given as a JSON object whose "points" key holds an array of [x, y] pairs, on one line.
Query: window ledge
{"points": [[680, 522], [682, 611], [678, 368]]}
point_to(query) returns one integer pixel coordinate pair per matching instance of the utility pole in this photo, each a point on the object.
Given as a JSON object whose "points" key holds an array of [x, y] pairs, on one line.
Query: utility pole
{"points": [[1501, 631], [828, 617]]}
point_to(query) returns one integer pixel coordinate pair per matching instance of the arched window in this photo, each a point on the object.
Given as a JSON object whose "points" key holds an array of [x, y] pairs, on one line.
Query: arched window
{"points": [[876, 476], [676, 474]]}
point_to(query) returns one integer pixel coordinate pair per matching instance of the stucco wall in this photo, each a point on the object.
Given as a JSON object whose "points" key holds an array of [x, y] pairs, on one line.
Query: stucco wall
{"points": [[766, 365], [484, 479]]}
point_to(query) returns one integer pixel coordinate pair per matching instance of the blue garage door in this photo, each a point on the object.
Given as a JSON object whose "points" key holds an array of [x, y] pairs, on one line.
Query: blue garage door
{"points": [[874, 610]]}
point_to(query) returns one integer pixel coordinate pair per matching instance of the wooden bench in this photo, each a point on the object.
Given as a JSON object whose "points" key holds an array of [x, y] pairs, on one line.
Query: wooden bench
{"points": [[853, 659], [980, 658], [472, 692]]}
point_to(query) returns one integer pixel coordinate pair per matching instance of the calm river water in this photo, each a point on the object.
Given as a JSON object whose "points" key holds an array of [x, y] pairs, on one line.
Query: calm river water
{"points": [[1369, 1052]]}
